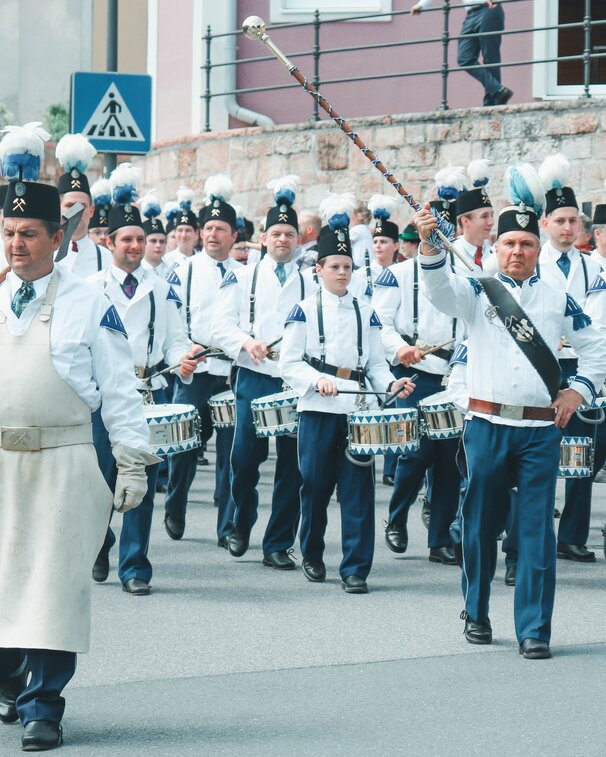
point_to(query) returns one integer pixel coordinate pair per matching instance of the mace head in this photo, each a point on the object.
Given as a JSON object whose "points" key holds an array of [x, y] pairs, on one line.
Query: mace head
{"points": [[253, 27]]}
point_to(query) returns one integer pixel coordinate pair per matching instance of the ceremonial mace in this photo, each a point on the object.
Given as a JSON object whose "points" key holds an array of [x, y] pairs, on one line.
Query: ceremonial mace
{"points": [[254, 28]]}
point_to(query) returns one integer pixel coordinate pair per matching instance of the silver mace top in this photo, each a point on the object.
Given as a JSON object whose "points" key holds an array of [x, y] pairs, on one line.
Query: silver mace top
{"points": [[254, 27]]}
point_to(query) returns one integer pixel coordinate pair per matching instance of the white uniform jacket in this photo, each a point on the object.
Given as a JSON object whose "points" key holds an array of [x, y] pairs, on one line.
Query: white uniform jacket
{"points": [[175, 258], [231, 325], [393, 300], [162, 270], [498, 370], [170, 342], [360, 286], [199, 303], [360, 237], [89, 351], [456, 389], [87, 260], [301, 336], [468, 251]]}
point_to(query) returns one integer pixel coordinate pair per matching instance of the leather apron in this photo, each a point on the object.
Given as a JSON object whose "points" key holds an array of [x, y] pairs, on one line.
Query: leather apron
{"points": [[54, 502]]}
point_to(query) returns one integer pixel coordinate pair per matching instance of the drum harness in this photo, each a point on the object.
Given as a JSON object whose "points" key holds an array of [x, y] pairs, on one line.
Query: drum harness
{"points": [[413, 340], [219, 354]]}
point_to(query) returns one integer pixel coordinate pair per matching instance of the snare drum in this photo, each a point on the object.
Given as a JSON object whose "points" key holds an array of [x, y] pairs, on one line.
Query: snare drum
{"points": [[441, 419], [576, 457], [223, 409], [172, 428], [276, 414], [380, 431]]}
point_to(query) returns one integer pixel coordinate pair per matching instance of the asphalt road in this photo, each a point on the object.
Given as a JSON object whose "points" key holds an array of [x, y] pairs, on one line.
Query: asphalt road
{"points": [[228, 657]]}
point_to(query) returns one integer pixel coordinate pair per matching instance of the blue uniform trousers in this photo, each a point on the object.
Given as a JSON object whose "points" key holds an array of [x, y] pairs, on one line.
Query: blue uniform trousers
{"points": [[182, 466], [136, 523], [51, 671], [495, 454], [576, 514], [412, 467], [478, 21], [248, 452], [322, 443]]}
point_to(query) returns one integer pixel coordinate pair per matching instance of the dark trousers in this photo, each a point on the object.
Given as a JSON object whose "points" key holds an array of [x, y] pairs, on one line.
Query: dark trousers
{"points": [[248, 452], [136, 523], [322, 443], [182, 466], [412, 467], [496, 454], [480, 21], [50, 670], [576, 514]]}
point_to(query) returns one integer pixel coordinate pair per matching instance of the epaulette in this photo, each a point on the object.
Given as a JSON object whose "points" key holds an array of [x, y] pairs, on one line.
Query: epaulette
{"points": [[111, 320]]}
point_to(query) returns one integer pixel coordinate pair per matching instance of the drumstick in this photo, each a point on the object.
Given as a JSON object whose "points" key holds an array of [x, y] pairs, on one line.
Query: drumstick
{"points": [[197, 356], [436, 348], [391, 397]]}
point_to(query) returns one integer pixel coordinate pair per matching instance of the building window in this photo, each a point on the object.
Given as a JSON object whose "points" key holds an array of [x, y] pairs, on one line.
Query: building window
{"points": [[566, 78], [283, 11]]}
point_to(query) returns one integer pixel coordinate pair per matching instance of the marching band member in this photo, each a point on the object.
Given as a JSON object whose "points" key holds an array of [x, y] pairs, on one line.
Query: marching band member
{"points": [[330, 334], [251, 310], [409, 243], [63, 353], [185, 226], [147, 307], [74, 152], [201, 277], [155, 236], [359, 233], [307, 252], [101, 195], [562, 266], [515, 409], [411, 326], [475, 217], [599, 233]]}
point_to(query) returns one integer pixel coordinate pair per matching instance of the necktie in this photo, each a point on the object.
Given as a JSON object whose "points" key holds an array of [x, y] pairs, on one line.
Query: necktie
{"points": [[221, 267], [130, 285], [23, 296], [564, 263], [281, 273], [74, 246], [478, 258]]}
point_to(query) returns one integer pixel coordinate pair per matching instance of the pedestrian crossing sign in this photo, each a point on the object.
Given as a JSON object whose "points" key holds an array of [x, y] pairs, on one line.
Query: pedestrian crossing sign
{"points": [[112, 110]]}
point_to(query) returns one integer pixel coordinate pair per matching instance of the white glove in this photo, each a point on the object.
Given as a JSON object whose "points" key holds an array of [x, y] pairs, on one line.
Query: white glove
{"points": [[131, 483]]}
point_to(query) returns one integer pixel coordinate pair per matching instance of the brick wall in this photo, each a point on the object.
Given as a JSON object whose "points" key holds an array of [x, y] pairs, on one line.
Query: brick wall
{"points": [[412, 146]]}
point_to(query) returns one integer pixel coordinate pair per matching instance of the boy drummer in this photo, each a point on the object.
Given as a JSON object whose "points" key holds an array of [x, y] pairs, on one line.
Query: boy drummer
{"points": [[332, 343]]}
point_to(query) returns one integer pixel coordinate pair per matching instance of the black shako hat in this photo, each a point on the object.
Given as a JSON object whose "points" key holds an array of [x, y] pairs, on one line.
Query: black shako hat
{"points": [[100, 217], [30, 199], [518, 218], [333, 242], [472, 199], [74, 181], [124, 215], [153, 226], [560, 197], [217, 210], [599, 215], [386, 229]]}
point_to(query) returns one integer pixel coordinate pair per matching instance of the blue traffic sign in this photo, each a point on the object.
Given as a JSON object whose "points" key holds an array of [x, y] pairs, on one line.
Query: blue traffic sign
{"points": [[112, 110]]}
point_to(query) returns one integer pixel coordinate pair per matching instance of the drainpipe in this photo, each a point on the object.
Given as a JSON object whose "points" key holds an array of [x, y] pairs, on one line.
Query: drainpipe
{"points": [[233, 107]]}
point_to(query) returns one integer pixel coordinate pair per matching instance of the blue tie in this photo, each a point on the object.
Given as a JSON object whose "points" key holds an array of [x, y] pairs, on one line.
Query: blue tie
{"points": [[221, 267], [564, 263], [281, 273], [23, 296], [129, 287]]}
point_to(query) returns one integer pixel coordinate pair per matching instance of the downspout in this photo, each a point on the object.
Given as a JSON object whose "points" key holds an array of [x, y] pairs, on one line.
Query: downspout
{"points": [[233, 107]]}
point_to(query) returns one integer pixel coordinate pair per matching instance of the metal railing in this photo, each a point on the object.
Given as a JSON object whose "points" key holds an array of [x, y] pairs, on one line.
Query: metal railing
{"points": [[317, 52]]}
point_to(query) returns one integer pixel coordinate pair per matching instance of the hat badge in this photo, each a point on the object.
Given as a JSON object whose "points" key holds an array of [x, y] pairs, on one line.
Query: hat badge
{"points": [[215, 212], [522, 219], [378, 229]]}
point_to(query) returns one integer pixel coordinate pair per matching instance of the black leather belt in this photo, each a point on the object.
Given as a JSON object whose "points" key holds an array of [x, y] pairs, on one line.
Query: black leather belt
{"points": [[143, 372], [333, 370]]}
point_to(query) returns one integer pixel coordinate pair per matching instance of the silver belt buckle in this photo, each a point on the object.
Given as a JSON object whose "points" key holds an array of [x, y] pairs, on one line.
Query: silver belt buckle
{"points": [[512, 412], [26, 439]]}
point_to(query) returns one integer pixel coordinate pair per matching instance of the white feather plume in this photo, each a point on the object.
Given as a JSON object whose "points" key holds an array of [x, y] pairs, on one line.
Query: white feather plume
{"points": [[27, 138], [218, 186], [291, 182], [523, 184], [338, 204], [170, 207], [239, 211], [185, 194], [150, 199], [101, 188], [74, 151], [383, 202], [453, 176], [125, 175], [477, 170], [554, 171]]}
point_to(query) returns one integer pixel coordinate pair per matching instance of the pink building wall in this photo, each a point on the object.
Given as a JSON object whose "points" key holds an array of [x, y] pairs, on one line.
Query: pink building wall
{"points": [[403, 95]]}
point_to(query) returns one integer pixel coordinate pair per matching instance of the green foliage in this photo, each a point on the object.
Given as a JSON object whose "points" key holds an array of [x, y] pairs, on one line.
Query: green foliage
{"points": [[56, 120], [6, 117]]}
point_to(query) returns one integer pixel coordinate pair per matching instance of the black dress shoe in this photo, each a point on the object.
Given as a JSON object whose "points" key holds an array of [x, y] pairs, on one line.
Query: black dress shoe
{"points": [[280, 560], [510, 575], [202, 460], [502, 96], [354, 585], [534, 649], [576, 552], [223, 542], [9, 691], [137, 587], [388, 480], [314, 571], [478, 632], [101, 567], [445, 555], [161, 488], [238, 543], [426, 512], [174, 528], [396, 537], [40, 735]]}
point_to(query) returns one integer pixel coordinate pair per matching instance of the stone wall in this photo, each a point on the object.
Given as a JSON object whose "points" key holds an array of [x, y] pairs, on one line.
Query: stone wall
{"points": [[412, 146]]}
